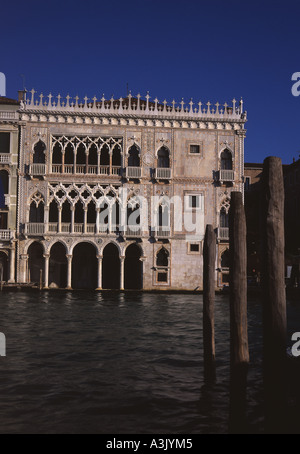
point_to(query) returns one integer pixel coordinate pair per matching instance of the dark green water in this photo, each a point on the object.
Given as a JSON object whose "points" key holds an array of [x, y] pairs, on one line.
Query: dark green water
{"points": [[119, 363]]}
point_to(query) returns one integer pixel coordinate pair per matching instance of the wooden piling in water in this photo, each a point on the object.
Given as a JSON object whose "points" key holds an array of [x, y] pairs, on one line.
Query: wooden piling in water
{"points": [[239, 351], [41, 280], [274, 297], [209, 261]]}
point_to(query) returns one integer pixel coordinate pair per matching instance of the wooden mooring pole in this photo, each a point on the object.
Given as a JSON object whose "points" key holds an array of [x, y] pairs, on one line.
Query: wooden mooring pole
{"points": [[274, 297], [41, 280], [209, 264], [239, 352]]}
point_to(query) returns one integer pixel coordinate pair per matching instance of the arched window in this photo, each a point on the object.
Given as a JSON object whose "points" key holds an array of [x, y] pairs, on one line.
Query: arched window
{"points": [[36, 213], [39, 153], [162, 263], [116, 156], [162, 258], [81, 155], [163, 160], [57, 154], [104, 156], [225, 259], [53, 212], [226, 160], [69, 154], [134, 157], [224, 218], [66, 212], [163, 216]]}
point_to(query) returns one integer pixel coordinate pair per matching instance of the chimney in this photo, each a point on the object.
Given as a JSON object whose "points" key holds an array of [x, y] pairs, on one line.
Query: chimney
{"points": [[22, 95]]}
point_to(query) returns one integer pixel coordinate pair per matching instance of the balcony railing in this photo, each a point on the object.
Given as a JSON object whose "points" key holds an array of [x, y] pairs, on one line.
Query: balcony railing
{"points": [[163, 173], [35, 228], [133, 172], [133, 232], [37, 169], [162, 232], [223, 233], [81, 169], [6, 235], [5, 158], [226, 175], [8, 115], [38, 228]]}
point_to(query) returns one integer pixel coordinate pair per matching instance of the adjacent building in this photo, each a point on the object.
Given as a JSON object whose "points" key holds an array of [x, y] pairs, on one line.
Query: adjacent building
{"points": [[9, 149]]}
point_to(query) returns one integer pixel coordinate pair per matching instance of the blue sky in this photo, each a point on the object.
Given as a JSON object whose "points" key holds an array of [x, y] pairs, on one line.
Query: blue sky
{"points": [[206, 50]]}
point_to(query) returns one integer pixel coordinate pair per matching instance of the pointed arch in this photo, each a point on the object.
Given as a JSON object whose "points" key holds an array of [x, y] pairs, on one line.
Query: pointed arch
{"points": [[163, 157], [226, 159], [134, 156], [39, 153]]}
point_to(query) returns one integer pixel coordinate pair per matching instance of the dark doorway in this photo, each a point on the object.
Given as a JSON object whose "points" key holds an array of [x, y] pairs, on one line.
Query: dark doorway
{"points": [[3, 266], [58, 266], [84, 267], [133, 271], [35, 262], [111, 267]]}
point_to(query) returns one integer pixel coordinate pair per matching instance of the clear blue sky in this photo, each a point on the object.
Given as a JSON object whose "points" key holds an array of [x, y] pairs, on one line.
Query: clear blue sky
{"points": [[206, 50]]}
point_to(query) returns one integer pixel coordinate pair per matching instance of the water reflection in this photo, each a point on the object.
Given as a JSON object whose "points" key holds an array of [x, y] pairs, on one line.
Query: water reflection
{"points": [[119, 363]]}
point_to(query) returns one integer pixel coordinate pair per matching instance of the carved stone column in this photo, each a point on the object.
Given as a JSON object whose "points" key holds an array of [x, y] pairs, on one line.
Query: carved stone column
{"points": [[97, 219], [99, 277], [69, 278], [59, 218], [12, 264], [23, 268], [85, 220], [46, 257], [122, 261], [72, 218]]}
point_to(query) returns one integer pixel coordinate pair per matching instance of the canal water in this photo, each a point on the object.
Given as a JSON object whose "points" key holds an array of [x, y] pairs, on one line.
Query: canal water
{"points": [[116, 363]]}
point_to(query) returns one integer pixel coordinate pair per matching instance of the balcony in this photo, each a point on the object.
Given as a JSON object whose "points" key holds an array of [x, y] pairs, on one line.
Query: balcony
{"points": [[7, 235], [226, 176], [163, 174], [82, 169], [35, 228], [9, 115], [37, 170], [133, 172], [7, 200], [133, 232], [161, 232], [5, 158], [223, 233]]}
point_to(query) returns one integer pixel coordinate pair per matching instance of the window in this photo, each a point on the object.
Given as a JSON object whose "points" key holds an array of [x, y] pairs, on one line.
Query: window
{"points": [[4, 142], [194, 149], [162, 277], [194, 248], [247, 183], [194, 201], [226, 160], [162, 270]]}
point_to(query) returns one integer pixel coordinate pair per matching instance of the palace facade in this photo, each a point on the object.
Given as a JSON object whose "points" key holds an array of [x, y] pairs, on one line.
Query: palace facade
{"points": [[116, 194]]}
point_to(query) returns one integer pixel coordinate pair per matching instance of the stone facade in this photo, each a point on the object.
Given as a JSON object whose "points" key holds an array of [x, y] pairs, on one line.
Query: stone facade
{"points": [[79, 160], [9, 146]]}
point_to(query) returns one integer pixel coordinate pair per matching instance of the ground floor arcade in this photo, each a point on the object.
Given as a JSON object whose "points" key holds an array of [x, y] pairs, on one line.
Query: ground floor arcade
{"points": [[83, 266]]}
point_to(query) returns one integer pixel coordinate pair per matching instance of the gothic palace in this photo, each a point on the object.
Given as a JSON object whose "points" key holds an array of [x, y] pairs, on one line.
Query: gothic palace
{"points": [[115, 194]]}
